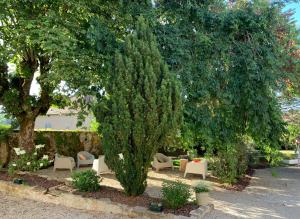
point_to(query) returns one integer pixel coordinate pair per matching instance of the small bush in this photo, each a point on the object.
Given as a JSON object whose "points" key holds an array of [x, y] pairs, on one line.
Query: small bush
{"points": [[175, 194], [201, 188], [86, 181], [231, 163]]}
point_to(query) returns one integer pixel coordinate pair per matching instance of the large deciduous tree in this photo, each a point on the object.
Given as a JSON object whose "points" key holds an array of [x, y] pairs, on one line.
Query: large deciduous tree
{"points": [[231, 61], [42, 39], [140, 110]]}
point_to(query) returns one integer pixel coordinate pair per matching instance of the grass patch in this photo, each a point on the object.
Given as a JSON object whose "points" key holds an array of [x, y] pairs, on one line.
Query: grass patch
{"points": [[4, 126], [288, 154]]}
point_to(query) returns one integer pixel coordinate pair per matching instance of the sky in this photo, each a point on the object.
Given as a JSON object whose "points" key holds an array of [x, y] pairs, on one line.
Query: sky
{"points": [[296, 7]]}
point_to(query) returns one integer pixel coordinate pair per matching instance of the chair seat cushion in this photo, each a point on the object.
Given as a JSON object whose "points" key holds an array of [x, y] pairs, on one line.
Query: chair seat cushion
{"points": [[82, 157]]}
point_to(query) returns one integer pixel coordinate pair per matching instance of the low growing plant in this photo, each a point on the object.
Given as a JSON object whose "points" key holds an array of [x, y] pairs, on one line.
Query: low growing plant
{"points": [[201, 188], [25, 161], [86, 181], [175, 194]]}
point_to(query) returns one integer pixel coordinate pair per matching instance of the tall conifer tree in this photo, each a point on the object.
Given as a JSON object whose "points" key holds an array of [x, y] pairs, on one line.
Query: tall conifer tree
{"points": [[141, 109]]}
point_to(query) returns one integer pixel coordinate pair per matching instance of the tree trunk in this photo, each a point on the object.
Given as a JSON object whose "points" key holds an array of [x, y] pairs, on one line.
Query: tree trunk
{"points": [[26, 134]]}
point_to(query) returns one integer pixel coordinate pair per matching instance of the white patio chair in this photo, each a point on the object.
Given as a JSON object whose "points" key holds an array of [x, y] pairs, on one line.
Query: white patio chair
{"points": [[161, 161], [62, 162], [100, 166], [197, 168]]}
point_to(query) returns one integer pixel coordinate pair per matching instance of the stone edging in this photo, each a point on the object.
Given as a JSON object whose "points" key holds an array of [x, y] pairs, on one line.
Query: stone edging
{"points": [[89, 204]]}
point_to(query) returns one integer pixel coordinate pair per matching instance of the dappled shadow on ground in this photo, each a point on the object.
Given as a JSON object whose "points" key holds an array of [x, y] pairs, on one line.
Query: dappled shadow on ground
{"points": [[268, 196]]}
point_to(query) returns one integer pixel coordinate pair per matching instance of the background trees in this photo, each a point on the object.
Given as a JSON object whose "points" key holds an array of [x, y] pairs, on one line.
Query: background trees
{"points": [[140, 110], [231, 62]]}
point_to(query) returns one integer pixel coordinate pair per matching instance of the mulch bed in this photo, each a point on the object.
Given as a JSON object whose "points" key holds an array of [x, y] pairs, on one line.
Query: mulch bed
{"points": [[144, 200], [31, 180], [242, 183]]}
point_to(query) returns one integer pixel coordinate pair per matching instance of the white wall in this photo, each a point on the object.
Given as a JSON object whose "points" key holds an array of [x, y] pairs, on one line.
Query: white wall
{"points": [[61, 122]]}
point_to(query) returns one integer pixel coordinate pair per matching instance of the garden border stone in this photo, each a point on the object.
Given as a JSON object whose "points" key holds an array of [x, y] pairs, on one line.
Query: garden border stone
{"points": [[100, 205]]}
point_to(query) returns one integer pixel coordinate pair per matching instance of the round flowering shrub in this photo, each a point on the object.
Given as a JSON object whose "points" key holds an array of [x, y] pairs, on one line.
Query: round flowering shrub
{"points": [[30, 162]]}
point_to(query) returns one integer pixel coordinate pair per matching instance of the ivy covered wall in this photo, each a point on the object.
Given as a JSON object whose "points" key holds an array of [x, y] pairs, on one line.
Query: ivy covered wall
{"points": [[67, 143]]}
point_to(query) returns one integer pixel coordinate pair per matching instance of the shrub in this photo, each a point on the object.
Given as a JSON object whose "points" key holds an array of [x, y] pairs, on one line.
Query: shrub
{"points": [[201, 188], [289, 139], [175, 194], [25, 161], [86, 181], [231, 163]]}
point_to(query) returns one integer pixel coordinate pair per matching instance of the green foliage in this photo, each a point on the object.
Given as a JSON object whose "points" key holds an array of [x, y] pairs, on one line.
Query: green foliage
{"points": [[31, 161], [230, 60], [67, 143], [140, 110], [4, 132], [201, 187], [86, 181], [230, 163], [273, 156], [94, 126], [289, 139], [175, 194]]}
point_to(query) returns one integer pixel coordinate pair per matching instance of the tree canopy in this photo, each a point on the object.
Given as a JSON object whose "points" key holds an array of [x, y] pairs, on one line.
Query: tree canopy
{"points": [[45, 41]]}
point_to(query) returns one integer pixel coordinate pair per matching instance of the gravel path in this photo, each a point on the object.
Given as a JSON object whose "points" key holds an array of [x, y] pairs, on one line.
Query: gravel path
{"points": [[273, 193], [12, 208]]}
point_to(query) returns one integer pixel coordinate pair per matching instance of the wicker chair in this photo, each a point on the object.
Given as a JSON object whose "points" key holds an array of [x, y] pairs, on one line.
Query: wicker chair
{"points": [[62, 162], [84, 158], [161, 161]]}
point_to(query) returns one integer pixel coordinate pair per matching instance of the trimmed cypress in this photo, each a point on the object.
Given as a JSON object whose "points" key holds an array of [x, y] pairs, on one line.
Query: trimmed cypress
{"points": [[141, 109]]}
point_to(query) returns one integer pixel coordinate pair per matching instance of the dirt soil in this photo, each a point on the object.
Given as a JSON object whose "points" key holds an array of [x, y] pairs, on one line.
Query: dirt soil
{"points": [[31, 180]]}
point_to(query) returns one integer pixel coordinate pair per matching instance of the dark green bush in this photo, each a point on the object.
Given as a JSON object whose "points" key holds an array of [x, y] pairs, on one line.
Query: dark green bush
{"points": [[175, 194], [86, 181], [231, 163]]}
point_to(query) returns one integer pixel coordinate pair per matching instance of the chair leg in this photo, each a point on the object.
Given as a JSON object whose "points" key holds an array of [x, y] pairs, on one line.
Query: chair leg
{"points": [[184, 174], [203, 176], [54, 169]]}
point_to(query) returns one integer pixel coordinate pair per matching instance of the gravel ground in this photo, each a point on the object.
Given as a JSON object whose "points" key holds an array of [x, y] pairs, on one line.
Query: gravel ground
{"points": [[273, 193], [12, 208]]}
